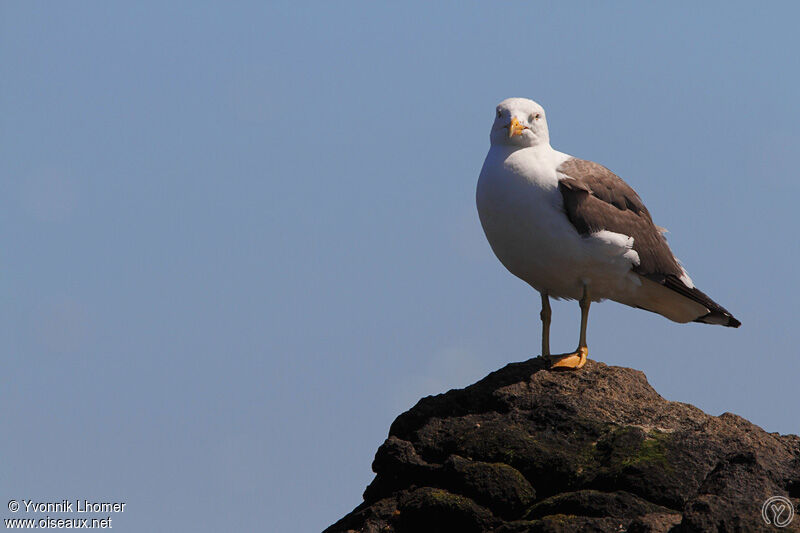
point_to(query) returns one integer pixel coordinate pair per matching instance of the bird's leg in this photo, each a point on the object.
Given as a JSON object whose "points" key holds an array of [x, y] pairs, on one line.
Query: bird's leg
{"points": [[577, 359], [584, 303], [545, 316]]}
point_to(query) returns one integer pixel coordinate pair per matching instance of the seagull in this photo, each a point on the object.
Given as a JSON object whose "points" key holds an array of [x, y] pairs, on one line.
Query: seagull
{"points": [[573, 229]]}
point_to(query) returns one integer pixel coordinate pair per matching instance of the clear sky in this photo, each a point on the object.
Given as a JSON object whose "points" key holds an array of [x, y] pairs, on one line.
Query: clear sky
{"points": [[238, 239]]}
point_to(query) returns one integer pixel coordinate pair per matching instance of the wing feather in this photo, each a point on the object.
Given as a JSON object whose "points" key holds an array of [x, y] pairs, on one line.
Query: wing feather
{"points": [[596, 199]]}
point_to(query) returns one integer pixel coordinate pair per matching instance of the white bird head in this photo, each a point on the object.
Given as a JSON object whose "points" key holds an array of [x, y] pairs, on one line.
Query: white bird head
{"points": [[519, 122]]}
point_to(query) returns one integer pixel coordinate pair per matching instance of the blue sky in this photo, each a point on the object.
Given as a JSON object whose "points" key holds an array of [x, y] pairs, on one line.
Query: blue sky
{"points": [[239, 240]]}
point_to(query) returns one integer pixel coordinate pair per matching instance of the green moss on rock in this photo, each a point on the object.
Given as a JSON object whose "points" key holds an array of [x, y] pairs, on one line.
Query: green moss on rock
{"points": [[651, 450]]}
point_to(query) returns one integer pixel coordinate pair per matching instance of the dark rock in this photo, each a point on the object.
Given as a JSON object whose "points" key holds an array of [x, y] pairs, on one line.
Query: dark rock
{"points": [[496, 485], [431, 510], [596, 504], [655, 523], [560, 523], [526, 449]]}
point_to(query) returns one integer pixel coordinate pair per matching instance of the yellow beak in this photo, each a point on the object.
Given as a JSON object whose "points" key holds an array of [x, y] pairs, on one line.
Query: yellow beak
{"points": [[515, 128]]}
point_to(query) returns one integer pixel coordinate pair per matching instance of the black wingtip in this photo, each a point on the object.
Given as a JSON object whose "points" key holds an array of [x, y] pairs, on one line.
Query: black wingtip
{"points": [[717, 314], [720, 318]]}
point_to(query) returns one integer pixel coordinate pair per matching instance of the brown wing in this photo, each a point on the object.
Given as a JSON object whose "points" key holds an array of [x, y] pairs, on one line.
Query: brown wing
{"points": [[596, 199]]}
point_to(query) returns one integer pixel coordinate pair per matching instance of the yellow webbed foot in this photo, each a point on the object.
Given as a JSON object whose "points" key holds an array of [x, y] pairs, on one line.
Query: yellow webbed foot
{"points": [[572, 361]]}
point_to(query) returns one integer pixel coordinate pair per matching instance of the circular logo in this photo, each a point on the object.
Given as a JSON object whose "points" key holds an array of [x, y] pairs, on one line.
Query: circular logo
{"points": [[778, 511]]}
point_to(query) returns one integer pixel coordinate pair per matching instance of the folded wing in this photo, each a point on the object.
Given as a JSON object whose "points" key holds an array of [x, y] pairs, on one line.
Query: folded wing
{"points": [[595, 199]]}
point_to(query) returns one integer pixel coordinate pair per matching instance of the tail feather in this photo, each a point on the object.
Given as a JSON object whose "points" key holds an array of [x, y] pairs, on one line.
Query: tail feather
{"points": [[716, 315]]}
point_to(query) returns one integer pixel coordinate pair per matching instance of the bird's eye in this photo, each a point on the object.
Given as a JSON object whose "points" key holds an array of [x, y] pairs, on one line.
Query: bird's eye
{"points": [[537, 116], [499, 113]]}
